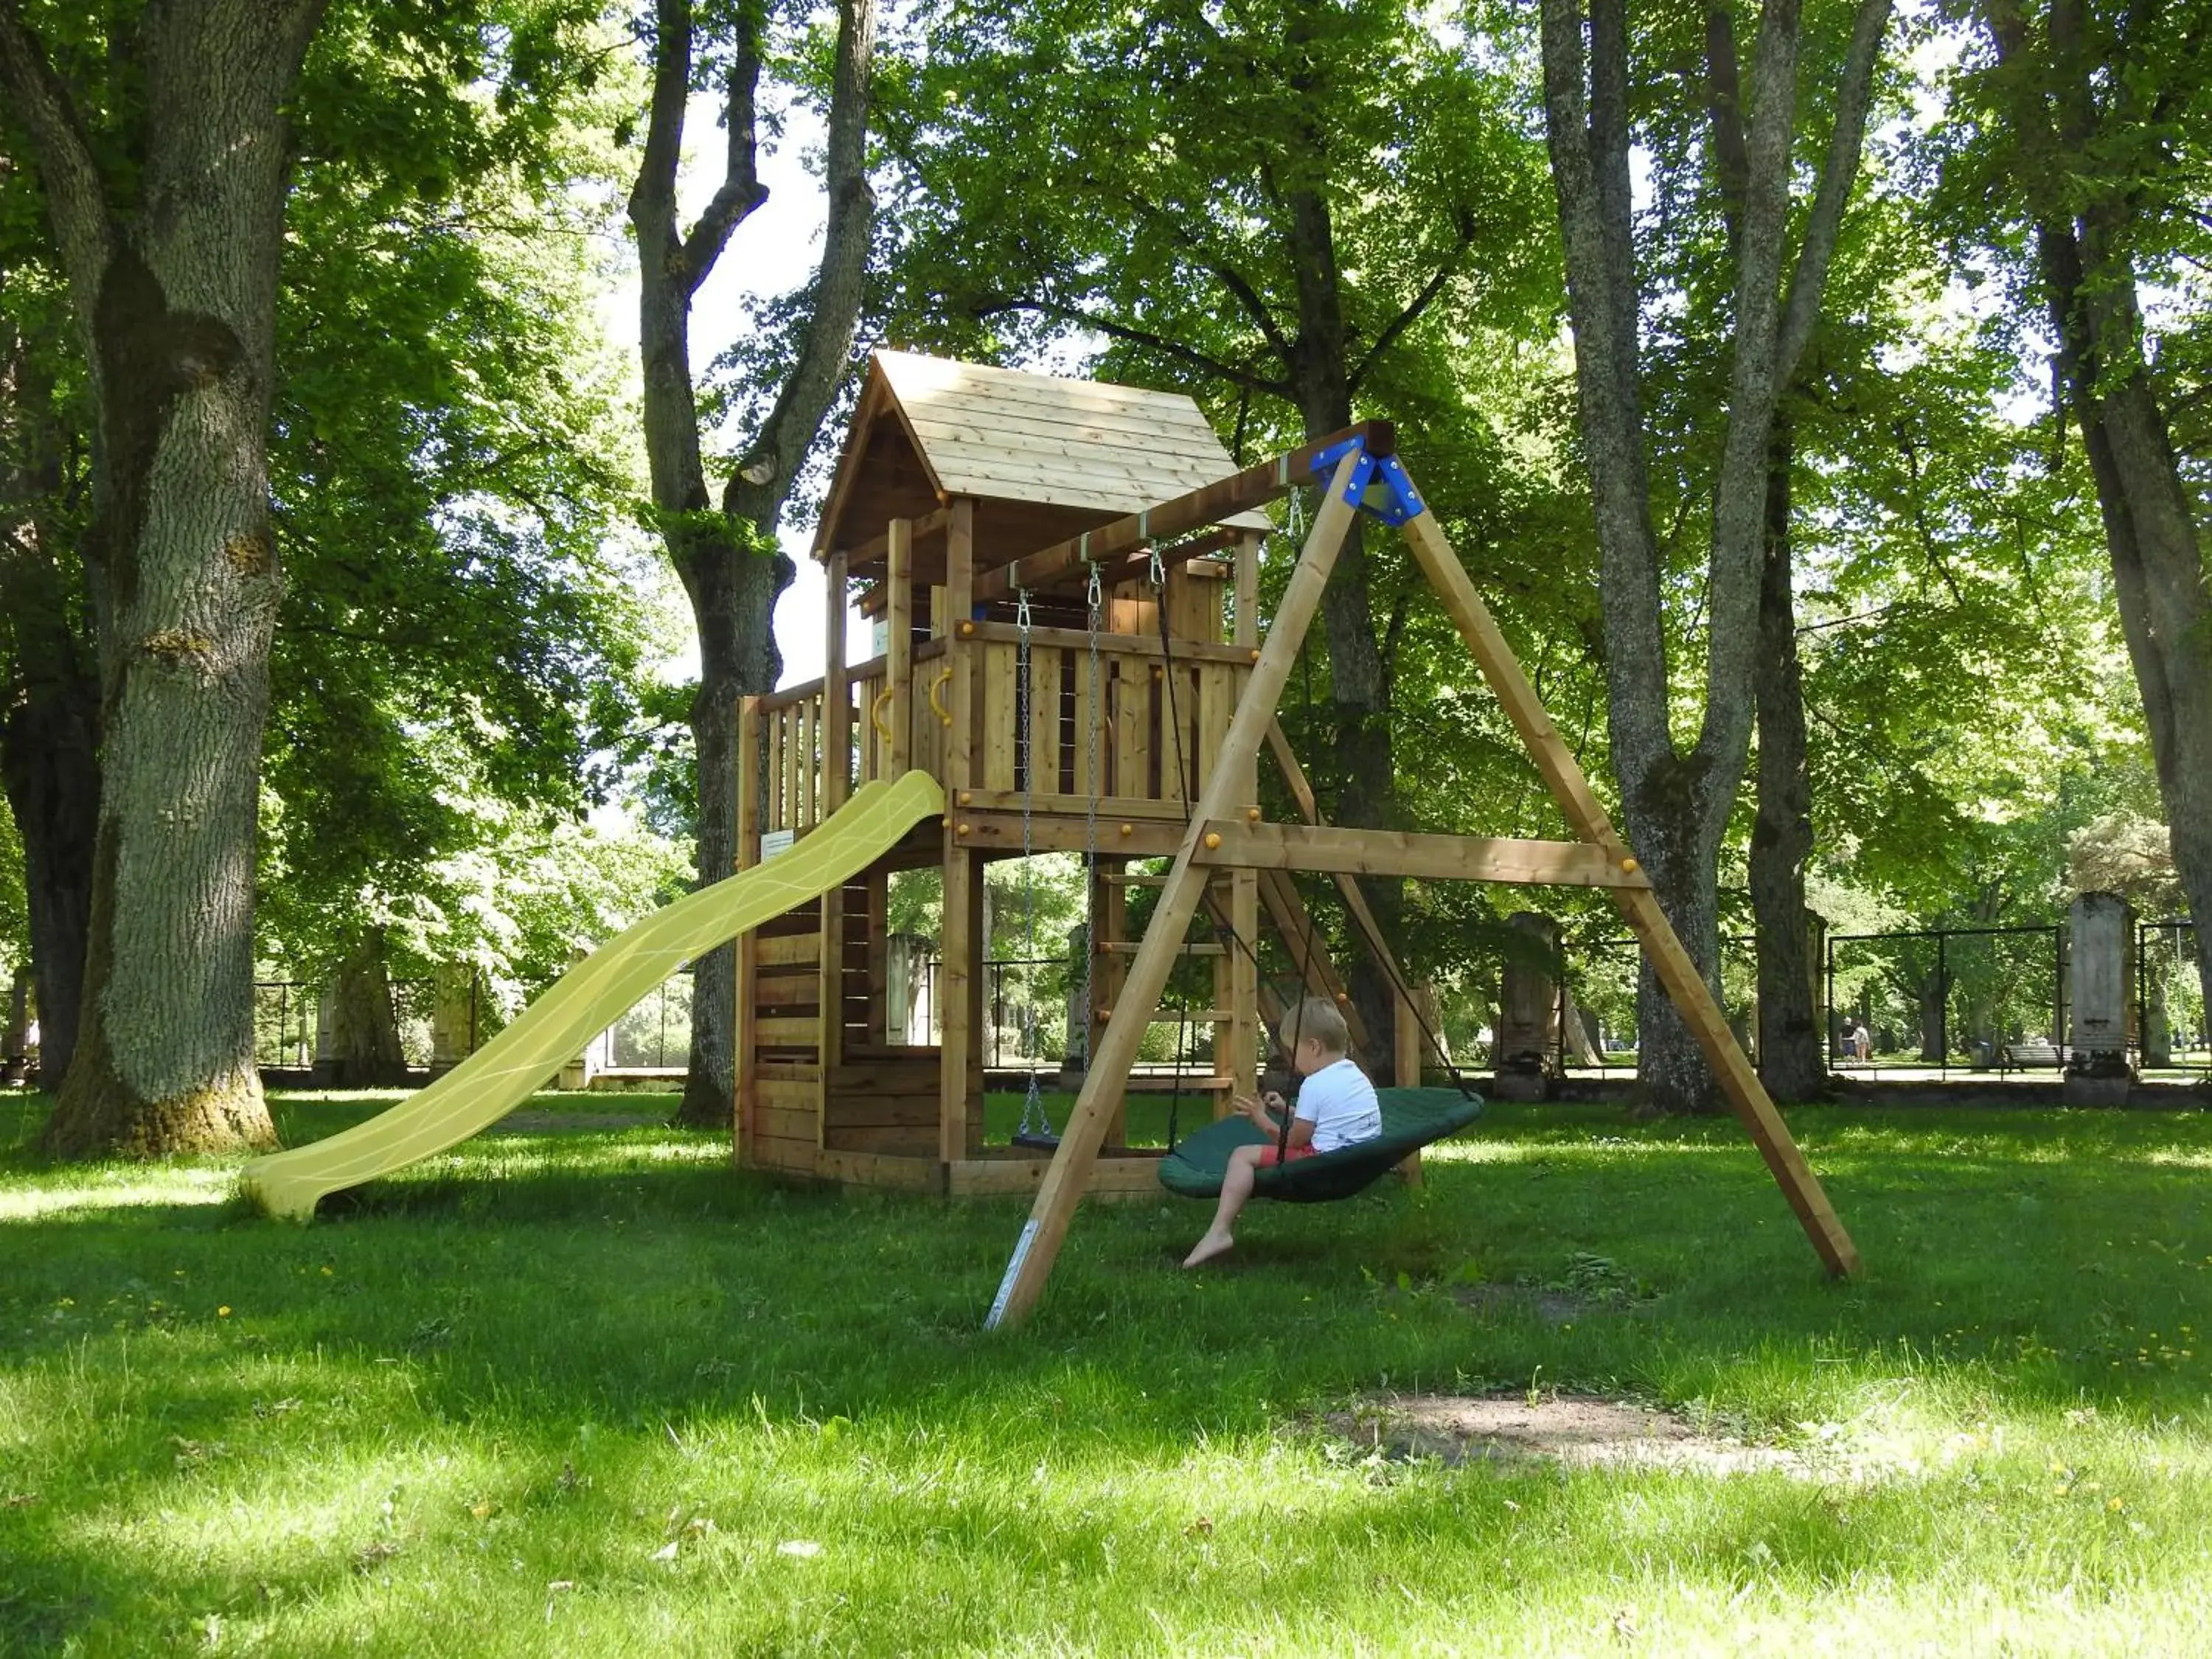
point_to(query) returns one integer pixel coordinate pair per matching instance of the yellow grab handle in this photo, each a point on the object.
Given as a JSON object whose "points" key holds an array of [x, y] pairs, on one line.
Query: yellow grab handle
{"points": [[879, 713], [936, 703]]}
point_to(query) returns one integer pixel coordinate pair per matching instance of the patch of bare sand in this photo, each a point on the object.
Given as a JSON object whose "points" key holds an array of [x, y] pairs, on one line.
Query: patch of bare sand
{"points": [[1577, 1431]]}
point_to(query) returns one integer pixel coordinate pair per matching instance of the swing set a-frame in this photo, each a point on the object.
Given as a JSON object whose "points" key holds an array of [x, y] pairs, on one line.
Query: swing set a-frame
{"points": [[1037, 750]]}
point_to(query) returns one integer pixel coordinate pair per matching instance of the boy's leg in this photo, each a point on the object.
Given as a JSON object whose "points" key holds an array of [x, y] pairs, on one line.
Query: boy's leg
{"points": [[1237, 1184]]}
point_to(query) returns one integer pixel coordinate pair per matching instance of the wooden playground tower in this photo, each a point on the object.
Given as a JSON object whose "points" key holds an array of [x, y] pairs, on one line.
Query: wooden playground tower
{"points": [[1137, 662]]}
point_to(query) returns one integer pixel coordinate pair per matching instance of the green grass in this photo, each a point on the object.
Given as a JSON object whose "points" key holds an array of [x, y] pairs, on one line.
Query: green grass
{"points": [[470, 1410]]}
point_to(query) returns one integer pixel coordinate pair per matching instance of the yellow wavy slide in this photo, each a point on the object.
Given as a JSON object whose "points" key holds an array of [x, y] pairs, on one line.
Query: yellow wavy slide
{"points": [[590, 997]]}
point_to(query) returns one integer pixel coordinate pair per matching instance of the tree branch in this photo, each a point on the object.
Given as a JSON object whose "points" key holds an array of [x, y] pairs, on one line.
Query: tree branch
{"points": [[1420, 302], [741, 189], [765, 473], [1724, 118], [76, 200], [1802, 306], [1161, 343], [1230, 277]]}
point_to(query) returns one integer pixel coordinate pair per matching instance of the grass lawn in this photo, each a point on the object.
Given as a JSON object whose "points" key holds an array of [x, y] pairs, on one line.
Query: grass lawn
{"points": [[589, 1392]]}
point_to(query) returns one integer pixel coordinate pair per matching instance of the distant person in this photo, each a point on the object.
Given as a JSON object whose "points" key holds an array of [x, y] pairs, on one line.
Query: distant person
{"points": [[1850, 1041]]}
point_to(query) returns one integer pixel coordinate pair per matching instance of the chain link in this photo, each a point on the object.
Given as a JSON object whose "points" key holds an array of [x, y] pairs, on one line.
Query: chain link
{"points": [[1034, 1122], [1095, 592]]}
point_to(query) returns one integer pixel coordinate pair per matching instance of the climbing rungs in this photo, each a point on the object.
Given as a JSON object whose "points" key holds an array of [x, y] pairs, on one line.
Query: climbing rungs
{"points": [[1180, 1016]]}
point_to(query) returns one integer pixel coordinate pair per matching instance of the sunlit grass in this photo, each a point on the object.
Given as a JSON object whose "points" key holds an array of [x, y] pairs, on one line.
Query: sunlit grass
{"points": [[591, 1392]]}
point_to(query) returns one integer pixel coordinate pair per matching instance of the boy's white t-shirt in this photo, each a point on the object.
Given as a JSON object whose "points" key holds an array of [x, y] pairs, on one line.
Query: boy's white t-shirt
{"points": [[1339, 1101]]}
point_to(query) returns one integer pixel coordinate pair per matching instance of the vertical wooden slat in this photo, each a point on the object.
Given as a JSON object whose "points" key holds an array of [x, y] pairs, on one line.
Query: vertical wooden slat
{"points": [[878, 935], [898, 655], [1133, 728], [791, 738], [748, 954], [1108, 1074], [1045, 670], [958, 974], [836, 695], [810, 757], [1215, 705], [1089, 745], [999, 713]]}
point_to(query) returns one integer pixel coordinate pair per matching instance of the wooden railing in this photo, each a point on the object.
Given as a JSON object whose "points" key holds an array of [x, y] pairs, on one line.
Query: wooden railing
{"points": [[1157, 715]]}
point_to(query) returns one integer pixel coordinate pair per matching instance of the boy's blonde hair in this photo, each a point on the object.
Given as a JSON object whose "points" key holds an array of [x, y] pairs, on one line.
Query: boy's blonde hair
{"points": [[1316, 1017]]}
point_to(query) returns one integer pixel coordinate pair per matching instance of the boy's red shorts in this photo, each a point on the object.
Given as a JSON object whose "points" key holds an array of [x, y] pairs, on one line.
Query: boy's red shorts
{"points": [[1268, 1157]]}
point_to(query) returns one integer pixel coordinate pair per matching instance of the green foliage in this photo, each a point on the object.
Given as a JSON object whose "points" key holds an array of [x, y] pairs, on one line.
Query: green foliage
{"points": [[463, 628], [14, 916]]}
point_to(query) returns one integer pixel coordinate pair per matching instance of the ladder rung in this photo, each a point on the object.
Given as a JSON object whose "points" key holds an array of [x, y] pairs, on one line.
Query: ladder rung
{"points": [[1139, 878], [1129, 947]]}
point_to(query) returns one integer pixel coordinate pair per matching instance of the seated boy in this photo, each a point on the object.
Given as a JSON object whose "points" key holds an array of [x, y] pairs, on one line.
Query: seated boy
{"points": [[1336, 1108]]}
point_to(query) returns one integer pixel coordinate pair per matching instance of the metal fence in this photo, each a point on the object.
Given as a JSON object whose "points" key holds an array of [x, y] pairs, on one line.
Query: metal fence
{"points": [[656, 1034], [1977, 998], [286, 1014], [2170, 1013]]}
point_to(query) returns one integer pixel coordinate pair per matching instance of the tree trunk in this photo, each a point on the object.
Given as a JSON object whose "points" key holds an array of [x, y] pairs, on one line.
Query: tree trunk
{"points": [[1675, 804], [727, 557], [1791, 1053], [174, 293], [50, 733], [1935, 1034], [364, 1027], [2157, 569], [1362, 738], [49, 763], [2063, 98]]}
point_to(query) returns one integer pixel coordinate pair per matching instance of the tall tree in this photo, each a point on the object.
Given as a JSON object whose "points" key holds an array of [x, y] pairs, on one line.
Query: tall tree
{"points": [[49, 680], [167, 206], [1277, 208], [725, 548], [2102, 150], [1677, 802]]}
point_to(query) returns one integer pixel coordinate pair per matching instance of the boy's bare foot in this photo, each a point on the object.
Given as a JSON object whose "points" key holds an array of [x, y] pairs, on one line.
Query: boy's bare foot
{"points": [[1207, 1249]]}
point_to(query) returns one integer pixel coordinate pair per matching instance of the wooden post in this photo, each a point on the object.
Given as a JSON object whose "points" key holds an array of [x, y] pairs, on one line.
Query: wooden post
{"points": [[748, 949], [898, 652], [1244, 885], [1639, 905], [1109, 913], [836, 698], [1061, 1190], [957, 975]]}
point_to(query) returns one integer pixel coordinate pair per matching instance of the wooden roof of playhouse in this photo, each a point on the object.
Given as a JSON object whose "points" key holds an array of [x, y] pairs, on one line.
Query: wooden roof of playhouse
{"points": [[1044, 456]]}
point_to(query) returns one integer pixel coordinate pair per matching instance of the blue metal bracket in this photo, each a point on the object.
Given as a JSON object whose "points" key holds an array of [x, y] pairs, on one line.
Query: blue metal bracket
{"points": [[1400, 501], [1378, 488]]}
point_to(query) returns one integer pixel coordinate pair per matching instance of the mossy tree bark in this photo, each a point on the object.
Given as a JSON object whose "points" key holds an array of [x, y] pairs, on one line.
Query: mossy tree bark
{"points": [[170, 225], [725, 551]]}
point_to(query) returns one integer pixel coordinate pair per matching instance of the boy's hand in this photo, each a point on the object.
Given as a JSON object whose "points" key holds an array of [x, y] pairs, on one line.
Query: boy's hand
{"points": [[1252, 1107]]}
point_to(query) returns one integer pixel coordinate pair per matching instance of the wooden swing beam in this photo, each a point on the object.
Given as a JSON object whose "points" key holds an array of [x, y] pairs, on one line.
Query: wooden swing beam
{"points": [[1215, 814]]}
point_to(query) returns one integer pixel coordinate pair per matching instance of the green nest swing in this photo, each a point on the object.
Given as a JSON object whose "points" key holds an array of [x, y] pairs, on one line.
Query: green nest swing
{"points": [[1411, 1118]]}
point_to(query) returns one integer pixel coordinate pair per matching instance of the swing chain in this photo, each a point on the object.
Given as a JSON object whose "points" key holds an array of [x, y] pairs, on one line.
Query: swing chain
{"points": [[1156, 571], [1094, 595], [1035, 1125]]}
